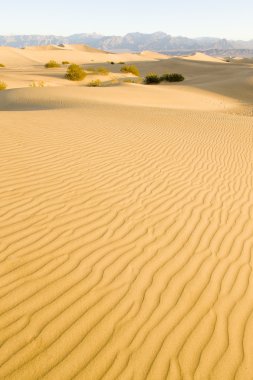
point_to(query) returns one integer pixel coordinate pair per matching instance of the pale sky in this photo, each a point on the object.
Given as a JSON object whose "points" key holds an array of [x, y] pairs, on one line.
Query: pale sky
{"points": [[230, 19]]}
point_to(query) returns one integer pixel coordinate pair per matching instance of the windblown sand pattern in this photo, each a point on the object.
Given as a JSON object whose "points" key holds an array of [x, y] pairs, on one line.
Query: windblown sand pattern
{"points": [[126, 237]]}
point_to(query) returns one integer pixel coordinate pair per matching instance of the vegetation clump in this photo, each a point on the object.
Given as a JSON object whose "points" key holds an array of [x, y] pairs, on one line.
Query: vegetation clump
{"points": [[92, 69], [98, 70], [152, 78], [132, 80], [121, 63], [75, 73], [40, 83], [132, 69], [95, 83], [3, 86], [2, 65], [52, 64], [65, 62], [102, 71], [174, 77]]}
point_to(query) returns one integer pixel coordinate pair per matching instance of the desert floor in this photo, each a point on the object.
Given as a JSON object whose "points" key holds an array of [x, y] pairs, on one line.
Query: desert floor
{"points": [[126, 220]]}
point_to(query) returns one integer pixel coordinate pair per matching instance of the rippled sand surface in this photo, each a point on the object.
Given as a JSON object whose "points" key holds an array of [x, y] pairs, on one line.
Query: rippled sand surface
{"points": [[126, 219]]}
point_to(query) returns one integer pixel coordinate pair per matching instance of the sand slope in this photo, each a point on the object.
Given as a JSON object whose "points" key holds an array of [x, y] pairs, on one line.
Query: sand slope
{"points": [[132, 95], [73, 53], [204, 57], [126, 218], [154, 55]]}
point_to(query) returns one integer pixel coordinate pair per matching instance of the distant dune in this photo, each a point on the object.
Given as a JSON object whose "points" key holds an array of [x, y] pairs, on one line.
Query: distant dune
{"points": [[84, 48], [154, 55], [126, 218], [44, 48], [204, 57]]}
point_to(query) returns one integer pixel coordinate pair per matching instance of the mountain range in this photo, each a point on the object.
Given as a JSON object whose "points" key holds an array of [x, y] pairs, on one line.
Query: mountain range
{"points": [[136, 42]]}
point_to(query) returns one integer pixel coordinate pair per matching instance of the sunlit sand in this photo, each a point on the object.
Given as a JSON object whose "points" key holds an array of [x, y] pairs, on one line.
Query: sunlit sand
{"points": [[126, 219]]}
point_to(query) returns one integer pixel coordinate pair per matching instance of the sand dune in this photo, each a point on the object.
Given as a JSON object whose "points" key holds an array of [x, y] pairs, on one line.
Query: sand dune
{"points": [[74, 53], [44, 47], [204, 57], [212, 79], [126, 228], [132, 95], [154, 55], [85, 48], [12, 57]]}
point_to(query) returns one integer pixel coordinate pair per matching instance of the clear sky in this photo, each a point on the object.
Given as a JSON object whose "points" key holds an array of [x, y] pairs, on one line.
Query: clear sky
{"points": [[192, 18]]}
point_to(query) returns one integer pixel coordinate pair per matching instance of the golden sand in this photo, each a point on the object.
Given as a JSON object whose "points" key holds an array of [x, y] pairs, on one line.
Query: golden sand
{"points": [[126, 219]]}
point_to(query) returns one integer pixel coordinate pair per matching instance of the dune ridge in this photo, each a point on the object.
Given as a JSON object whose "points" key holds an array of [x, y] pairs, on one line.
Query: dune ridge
{"points": [[128, 95], [204, 57]]}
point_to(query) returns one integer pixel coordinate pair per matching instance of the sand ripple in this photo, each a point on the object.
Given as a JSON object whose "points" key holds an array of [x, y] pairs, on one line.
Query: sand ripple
{"points": [[126, 244]]}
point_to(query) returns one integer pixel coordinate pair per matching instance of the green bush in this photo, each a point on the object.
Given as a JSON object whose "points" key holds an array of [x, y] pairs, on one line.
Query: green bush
{"points": [[65, 62], [52, 64], [132, 69], [75, 73], [95, 83], [102, 71], [39, 83], [132, 80], [152, 78], [174, 77], [98, 70], [3, 86], [2, 65], [92, 69]]}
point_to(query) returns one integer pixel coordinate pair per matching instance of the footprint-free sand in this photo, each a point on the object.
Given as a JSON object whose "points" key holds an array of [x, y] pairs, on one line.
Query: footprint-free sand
{"points": [[126, 221]]}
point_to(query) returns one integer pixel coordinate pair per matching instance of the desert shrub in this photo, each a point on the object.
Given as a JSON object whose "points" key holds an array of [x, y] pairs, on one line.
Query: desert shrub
{"points": [[121, 63], [95, 83], [152, 78], [102, 71], [3, 86], [114, 81], [112, 63], [2, 65], [92, 69], [52, 64], [129, 80], [132, 80], [39, 83], [65, 62], [132, 69], [75, 72], [98, 70], [174, 77]]}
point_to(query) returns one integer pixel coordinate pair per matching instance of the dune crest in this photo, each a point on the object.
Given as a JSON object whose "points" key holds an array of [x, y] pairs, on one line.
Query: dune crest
{"points": [[204, 57], [154, 55]]}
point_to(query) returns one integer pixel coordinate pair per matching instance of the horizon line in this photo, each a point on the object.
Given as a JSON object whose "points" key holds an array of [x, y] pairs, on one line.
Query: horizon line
{"points": [[119, 35]]}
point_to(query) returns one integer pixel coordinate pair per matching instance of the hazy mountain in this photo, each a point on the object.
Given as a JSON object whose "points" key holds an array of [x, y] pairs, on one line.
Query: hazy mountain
{"points": [[158, 41]]}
